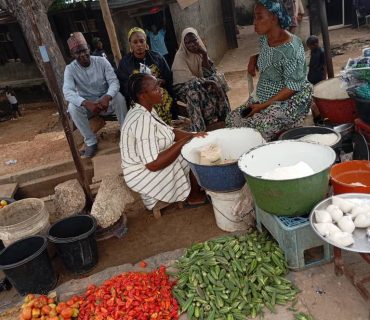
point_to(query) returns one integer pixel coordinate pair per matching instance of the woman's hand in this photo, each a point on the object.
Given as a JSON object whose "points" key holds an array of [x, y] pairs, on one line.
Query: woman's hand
{"points": [[256, 108], [252, 65]]}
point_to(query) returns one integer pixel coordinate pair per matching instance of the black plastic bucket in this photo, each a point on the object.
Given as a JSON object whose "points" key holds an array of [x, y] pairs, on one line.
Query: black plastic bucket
{"points": [[74, 238], [27, 265], [363, 109]]}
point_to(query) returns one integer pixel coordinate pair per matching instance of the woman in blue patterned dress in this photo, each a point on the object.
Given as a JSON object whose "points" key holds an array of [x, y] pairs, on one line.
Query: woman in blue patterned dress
{"points": [[283, 95]]}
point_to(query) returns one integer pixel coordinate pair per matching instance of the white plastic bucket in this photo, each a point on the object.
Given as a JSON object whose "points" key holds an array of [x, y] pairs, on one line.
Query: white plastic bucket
{"points": [[233, 210], [22, 219]]}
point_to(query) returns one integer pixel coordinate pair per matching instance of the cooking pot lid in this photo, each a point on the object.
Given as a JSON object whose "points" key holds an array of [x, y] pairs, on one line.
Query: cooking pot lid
{"points": [[360, 147]]}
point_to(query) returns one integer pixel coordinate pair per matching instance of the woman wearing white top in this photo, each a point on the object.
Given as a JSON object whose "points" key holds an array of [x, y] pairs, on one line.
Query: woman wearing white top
{"points": [[150, 150]]}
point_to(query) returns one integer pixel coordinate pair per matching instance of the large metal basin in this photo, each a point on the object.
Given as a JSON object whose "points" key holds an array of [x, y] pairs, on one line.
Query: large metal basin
{"points": [[233, 143], [294, 197]]}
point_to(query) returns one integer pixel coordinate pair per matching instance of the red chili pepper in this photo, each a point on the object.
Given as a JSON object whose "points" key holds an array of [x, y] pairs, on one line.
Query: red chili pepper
{"points": [[132, 296]]}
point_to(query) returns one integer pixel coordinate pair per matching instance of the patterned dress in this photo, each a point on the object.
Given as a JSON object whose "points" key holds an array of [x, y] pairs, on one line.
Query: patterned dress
{"points": [[159, 68], [143, 136], [280, 67], [205, 104]]}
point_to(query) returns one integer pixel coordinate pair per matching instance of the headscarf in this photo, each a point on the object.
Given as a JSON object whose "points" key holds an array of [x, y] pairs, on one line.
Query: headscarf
{"points": [[133, 30], [187, 65], [75, 40], [279, 10]]}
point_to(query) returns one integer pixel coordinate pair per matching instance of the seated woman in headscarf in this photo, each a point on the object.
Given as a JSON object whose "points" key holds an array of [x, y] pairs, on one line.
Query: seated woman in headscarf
{"points": [[150, 149], [197, 84], [283, 95], [142, 60]]}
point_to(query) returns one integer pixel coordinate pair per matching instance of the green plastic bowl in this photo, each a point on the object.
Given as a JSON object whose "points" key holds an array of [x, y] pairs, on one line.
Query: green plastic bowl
{"points": [[293, 197]]}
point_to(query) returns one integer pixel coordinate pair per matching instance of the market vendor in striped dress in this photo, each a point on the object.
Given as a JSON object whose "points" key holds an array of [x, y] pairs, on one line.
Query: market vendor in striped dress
{"points": [[283, 96], [150, 150]]}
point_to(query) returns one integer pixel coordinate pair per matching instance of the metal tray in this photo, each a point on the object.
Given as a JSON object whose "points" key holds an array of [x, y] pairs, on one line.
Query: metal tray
{"points": [[361, 244]]}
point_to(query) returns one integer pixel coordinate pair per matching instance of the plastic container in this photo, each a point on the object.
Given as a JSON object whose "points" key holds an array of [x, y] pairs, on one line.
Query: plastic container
{"points": [[351, 177], [293, 197], [302, 247], [22, 219], [74, 238], [363, 109], [233, 143], [297, 133], [363, 128], [333, 102], [229, 213], [27, 266]]}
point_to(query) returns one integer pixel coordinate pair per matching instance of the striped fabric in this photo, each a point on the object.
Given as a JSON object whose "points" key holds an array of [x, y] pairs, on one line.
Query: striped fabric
{"points": [[143, 136]]}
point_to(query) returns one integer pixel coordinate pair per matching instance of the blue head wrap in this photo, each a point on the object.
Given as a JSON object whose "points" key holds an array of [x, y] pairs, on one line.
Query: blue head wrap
{"points": [[279, 10]]}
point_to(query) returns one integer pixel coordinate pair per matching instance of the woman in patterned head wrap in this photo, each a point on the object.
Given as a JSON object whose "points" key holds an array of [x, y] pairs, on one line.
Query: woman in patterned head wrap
{"points": [[142, 60], [282, 98]]}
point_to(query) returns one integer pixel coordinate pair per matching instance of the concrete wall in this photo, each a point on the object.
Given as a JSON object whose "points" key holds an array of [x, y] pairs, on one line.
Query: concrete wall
{"points": [[206, 17]]}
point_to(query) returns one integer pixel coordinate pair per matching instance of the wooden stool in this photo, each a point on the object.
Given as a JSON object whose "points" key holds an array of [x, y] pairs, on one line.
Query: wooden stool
{"points": [[161, 205]]}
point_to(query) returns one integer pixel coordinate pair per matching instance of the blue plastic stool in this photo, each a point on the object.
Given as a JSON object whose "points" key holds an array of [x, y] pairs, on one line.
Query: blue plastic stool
{"points": [[295, 237]]}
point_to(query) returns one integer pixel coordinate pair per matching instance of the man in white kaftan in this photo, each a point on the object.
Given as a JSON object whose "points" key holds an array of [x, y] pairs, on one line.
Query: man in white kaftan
{"points": [[91, 87]]}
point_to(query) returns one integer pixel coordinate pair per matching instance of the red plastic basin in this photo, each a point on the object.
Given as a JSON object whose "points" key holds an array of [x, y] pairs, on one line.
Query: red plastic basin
{"points": [[344, 177], [333, 102]]}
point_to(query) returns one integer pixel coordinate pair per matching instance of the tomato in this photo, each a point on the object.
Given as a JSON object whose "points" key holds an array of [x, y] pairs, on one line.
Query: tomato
{"points": [[45, 309], [143, 264], [26, 313], [67, 313], [36, 312], [60, 307]]}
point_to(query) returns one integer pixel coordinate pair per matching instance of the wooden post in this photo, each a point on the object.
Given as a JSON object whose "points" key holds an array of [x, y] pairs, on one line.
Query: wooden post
{"points": [[111, 30], [325, 38]]}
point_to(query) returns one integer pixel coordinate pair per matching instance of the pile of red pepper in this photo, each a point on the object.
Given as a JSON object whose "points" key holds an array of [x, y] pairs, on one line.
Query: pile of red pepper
{"points": [[131, 296]]}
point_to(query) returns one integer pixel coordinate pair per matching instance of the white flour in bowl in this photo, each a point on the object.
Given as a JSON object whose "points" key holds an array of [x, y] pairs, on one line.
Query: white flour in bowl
{"points": [[299, 170], [326, 139]]}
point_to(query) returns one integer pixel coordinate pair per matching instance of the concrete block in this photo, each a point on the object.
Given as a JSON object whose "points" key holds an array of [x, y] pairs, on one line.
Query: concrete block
{"points": [[112, 198], [8, 190], [69, 198]]}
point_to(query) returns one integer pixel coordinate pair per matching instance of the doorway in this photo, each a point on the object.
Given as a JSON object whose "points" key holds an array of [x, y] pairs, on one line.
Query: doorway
{"points": [[163, 19], [338, 13]]}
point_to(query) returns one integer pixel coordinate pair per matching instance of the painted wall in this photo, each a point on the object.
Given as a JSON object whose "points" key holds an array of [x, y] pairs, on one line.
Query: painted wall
{"points": [[206, 17]]}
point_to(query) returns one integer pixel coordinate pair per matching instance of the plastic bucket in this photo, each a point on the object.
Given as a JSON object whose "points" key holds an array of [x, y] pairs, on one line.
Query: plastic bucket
{"points": [[233, 142], [351, 177], [363, 109], [297, 133], [22, 219], [333, 101], [291, 197], [27, 266], [74, 238], [229, 215]]}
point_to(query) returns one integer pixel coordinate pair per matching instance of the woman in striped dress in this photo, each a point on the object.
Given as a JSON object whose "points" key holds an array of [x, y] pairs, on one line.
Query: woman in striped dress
{"points": [[150, 149]]}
